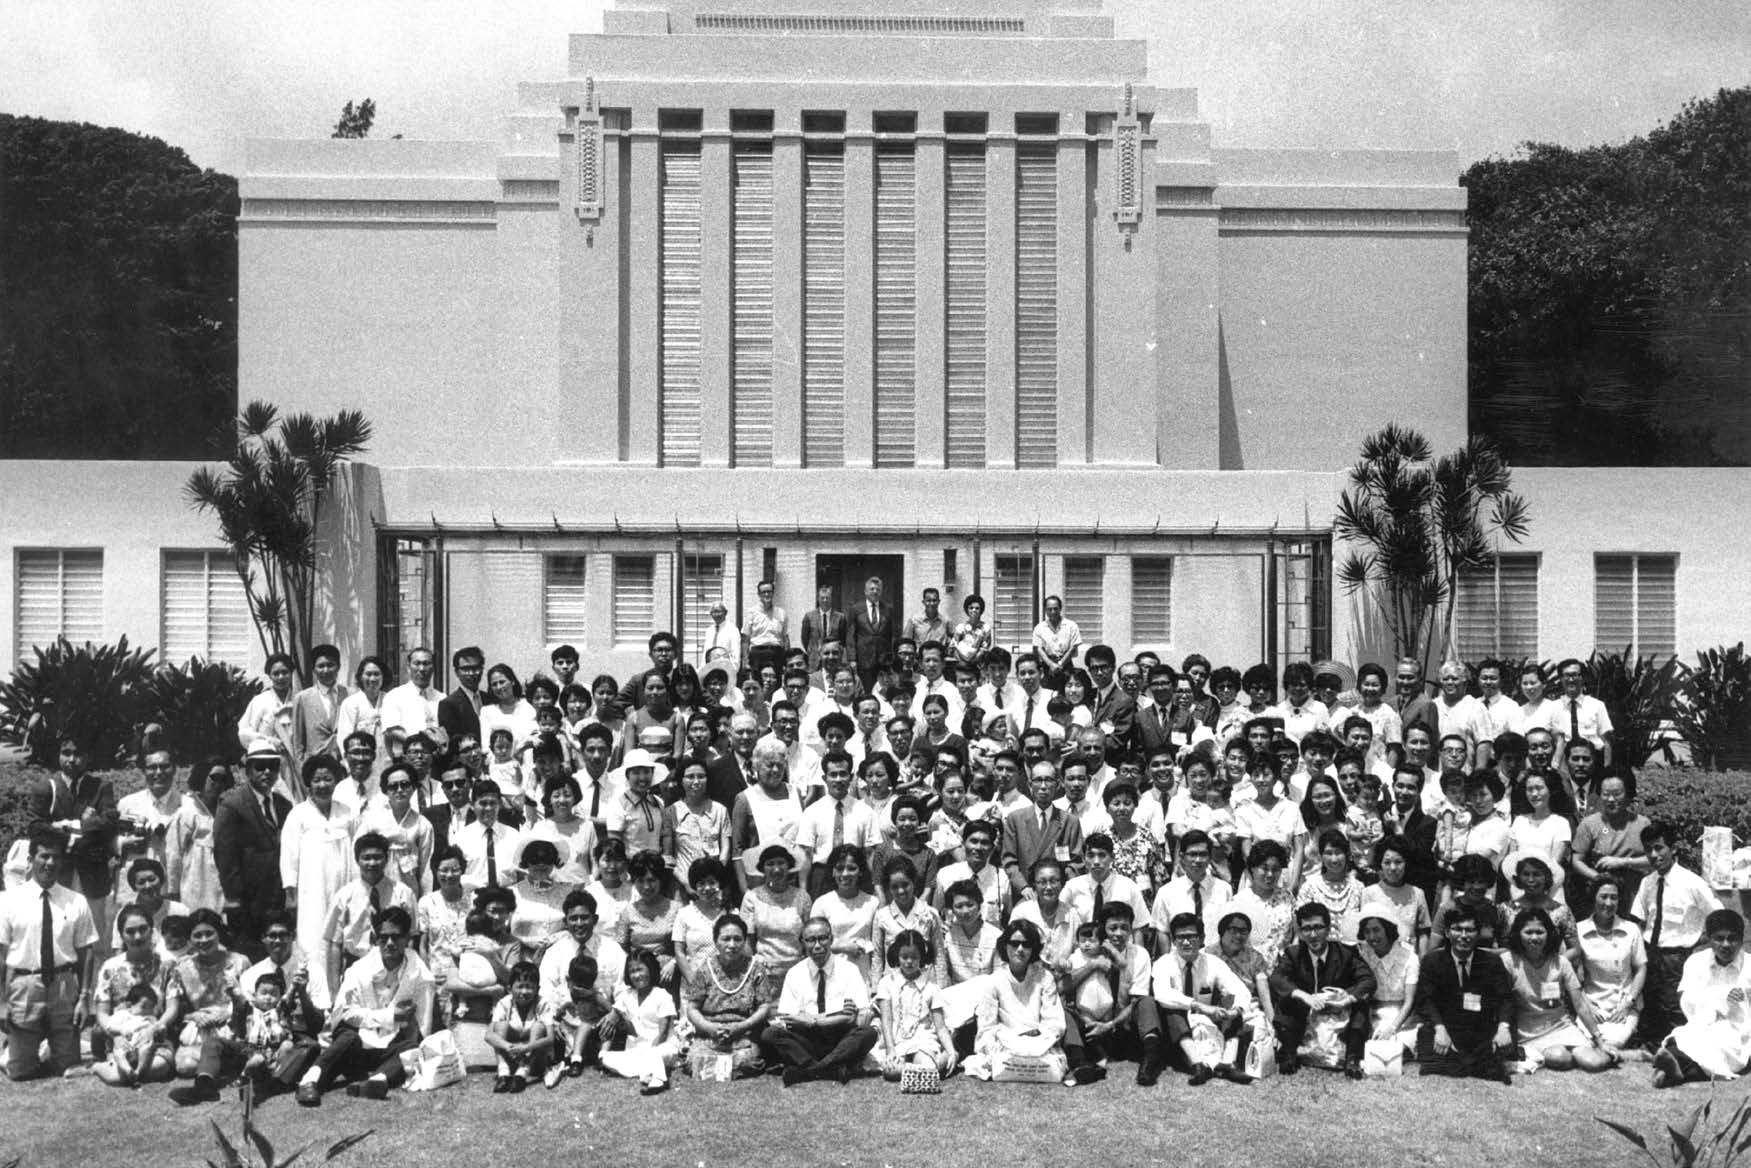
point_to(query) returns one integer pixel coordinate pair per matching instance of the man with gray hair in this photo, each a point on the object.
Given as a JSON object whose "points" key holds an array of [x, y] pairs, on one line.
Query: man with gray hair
{"points": [[732, 774]]}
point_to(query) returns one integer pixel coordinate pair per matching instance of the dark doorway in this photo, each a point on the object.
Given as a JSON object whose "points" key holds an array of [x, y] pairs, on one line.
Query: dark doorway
{"points": [[846, 574]]}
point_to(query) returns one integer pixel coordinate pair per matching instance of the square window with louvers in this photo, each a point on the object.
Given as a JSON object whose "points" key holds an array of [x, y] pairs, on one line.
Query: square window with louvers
{"points": [[1496, 611], [1084, 596], [562, 600], [635, 599], [1151, 600], [59, 593], [205, 609], [1635, 604]]}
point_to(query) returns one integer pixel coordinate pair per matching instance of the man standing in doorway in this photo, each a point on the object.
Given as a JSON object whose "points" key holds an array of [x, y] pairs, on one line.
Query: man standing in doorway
{"points": [[929, 625], [873, 630], [821, 624]]}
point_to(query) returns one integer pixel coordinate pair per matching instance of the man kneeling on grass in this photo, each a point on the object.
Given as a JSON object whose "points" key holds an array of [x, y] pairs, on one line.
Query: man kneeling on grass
{"points": [[822, 1030], [1108, 1012], [383, 1007]]}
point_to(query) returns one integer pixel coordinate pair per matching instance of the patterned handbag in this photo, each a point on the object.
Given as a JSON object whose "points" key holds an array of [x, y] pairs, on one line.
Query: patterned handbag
{"points": [[920, 1079]]}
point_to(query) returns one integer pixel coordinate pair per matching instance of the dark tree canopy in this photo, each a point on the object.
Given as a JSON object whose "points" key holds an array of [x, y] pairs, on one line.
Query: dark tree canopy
{"points": [[118, 296], [1611, 296], [355, 121]]}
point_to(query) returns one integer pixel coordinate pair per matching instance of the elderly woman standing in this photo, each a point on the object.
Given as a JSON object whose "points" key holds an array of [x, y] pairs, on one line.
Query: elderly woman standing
{"points": [[729, 997]]}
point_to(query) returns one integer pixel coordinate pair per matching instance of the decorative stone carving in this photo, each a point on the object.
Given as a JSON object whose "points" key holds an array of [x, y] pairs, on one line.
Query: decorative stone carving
{"points": [[1128, 163], [588, 142]]}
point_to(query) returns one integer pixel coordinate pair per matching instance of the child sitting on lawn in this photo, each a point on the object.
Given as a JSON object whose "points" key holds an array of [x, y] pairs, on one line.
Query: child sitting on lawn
{"points": [[133, 1034], [574, 1023], [914, 1032], [518, 1031], [647, 1018]]}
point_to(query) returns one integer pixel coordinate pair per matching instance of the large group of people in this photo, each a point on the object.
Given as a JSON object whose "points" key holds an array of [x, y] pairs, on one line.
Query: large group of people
{"points": [[892, 848]]}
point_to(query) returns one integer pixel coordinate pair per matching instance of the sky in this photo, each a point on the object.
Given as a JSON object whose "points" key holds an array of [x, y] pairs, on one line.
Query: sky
{"points": [[1478, 77]]}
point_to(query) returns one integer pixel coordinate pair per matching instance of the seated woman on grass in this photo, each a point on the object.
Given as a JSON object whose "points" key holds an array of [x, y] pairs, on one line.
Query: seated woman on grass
{"points": [[1019, 1014], [1553, 1020]]}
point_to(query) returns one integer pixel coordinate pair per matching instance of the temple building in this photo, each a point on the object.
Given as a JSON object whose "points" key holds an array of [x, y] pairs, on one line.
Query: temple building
{"points": [[952, 294]]}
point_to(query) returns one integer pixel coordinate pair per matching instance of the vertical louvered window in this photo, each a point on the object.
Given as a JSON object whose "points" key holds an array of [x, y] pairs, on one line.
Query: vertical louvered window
{"points": [[1496, 611], [751, 374], [824, 304], [896, 304], [965, 296], [1036, 309], [1635, 603], [1084, 582], [680, 421], [1013, 605], [205, 612], [59, 593], [1151, 599], [635, 599], [702, 583], [563, 598]]}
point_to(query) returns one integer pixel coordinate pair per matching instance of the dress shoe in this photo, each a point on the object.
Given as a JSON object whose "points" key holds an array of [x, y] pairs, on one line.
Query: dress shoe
{"points": [[1088, 1073], [501, 1085], [518, 1083], [1148, 1073], [1234, 1075], [795, 1075], [308, 1095], [1288, 1066], [1667, 1072], [1201, 1074], [374, 1089], [1351, 1068]]}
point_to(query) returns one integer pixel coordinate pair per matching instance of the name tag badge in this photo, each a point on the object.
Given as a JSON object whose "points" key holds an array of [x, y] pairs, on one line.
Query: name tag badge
{"points": [[1061, 853], [1106, 727], [1471, 1003], [1550, 991], [1181, 738]]}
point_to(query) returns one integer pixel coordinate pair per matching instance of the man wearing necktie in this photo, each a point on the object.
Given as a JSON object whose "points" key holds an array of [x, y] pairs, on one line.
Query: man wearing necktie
{"points": [[821, 624], [1584, 716], [822, 1029], [352, 914], [1203, 1006], [1673, 904], [246, 848], [872, 633], [1465, 1000], [83, 807], [46, 936], [1319, 986]]}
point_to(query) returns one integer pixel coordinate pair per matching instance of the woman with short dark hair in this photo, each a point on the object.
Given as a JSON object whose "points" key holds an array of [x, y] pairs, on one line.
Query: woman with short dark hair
{"points": [[1553, 1020], [727, 1001]]}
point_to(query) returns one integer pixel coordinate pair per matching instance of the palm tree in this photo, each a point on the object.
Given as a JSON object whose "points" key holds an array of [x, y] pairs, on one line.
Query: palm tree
{"points": [[269, 500], [1420, 522]]}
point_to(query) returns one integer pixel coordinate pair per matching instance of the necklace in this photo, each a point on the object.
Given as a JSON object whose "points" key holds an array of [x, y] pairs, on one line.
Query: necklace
{"points": [[711, 968]]}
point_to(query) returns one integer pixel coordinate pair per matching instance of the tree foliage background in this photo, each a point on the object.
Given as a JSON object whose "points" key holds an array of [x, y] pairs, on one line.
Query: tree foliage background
{"points": [[118, 296], [1611, 296]]}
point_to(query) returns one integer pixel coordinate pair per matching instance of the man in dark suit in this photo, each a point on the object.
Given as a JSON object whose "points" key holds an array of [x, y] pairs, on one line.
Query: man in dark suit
{"points": [[1038, 830], [873, 629], [732, 774], [1153, 727], [246, 849], [821, 624], [1317, 975], [459, 710], [452, 813], [315, 711], [1465, 1002], [1414, 705], [1115, 711]]}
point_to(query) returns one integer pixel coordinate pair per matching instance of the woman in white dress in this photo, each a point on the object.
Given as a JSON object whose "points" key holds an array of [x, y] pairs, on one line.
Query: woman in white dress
{"points": [[363, 708], [575, 834], [268, 717], [1542, 833], [507, 709], [191, 874], [316, 862]]}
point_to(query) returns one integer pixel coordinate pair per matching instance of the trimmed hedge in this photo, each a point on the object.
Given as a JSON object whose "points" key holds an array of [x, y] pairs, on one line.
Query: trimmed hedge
{"points": [[1691, 800]]}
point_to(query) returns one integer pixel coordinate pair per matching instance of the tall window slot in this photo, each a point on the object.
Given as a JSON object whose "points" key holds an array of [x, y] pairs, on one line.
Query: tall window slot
{"points": [[824, 304], [563, 600], [205, 612], [1013, 605], [751, 371], [59, 594], [965, 294], [896, 294], [1496, 611], [1084, 593], [635, 600], [681, 399], [1151, 600], [1635, 604], [1036, 294]]}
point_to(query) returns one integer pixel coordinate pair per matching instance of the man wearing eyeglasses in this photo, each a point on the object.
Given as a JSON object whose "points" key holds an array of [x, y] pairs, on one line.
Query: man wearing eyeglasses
{"points": [[1580, 715], [246, 847], [822, 1029], [303, 1014]]}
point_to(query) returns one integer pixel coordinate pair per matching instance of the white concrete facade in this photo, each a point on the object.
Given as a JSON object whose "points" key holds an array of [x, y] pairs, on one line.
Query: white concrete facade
{"points": [[922, 281]]}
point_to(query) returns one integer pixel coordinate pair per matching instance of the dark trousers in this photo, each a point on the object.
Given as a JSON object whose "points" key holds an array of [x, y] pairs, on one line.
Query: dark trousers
{"points": [[1473, 1055], [223, 1056], [1291, 1028], [965, 1036], [839, 1043], [348, 1055], [1661, 1013], [1176, 1027], [1135, 1041]]}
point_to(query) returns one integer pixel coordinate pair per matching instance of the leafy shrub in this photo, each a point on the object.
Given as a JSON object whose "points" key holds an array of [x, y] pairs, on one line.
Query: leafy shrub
{"points": [[195, 709], [1641, 695], [1691, 800], [95, 692], [1715, 715]]}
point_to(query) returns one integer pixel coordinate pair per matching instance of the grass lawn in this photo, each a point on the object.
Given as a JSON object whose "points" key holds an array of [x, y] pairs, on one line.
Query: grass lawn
{"points": [[1311, 1120]]}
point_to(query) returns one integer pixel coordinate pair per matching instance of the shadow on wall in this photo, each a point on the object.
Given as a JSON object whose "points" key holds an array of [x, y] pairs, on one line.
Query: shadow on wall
{"points": [[346, 562], [1228, 455]]}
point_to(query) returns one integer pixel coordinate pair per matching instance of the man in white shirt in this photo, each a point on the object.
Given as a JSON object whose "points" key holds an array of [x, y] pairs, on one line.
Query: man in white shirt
{"points": [[145, 814], [722, 641], [43, 978], [598, 788], [1029, 709], [1497, 713], [383, 1007], [931, 664], [837, 819], [412, 706], [1195, 890], [487, 845], [803, 764], [1203, 1006], [1092, 891], [1581, 715], [580, 937], [822, 1029], [1673, 904], [1456, 711]]}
